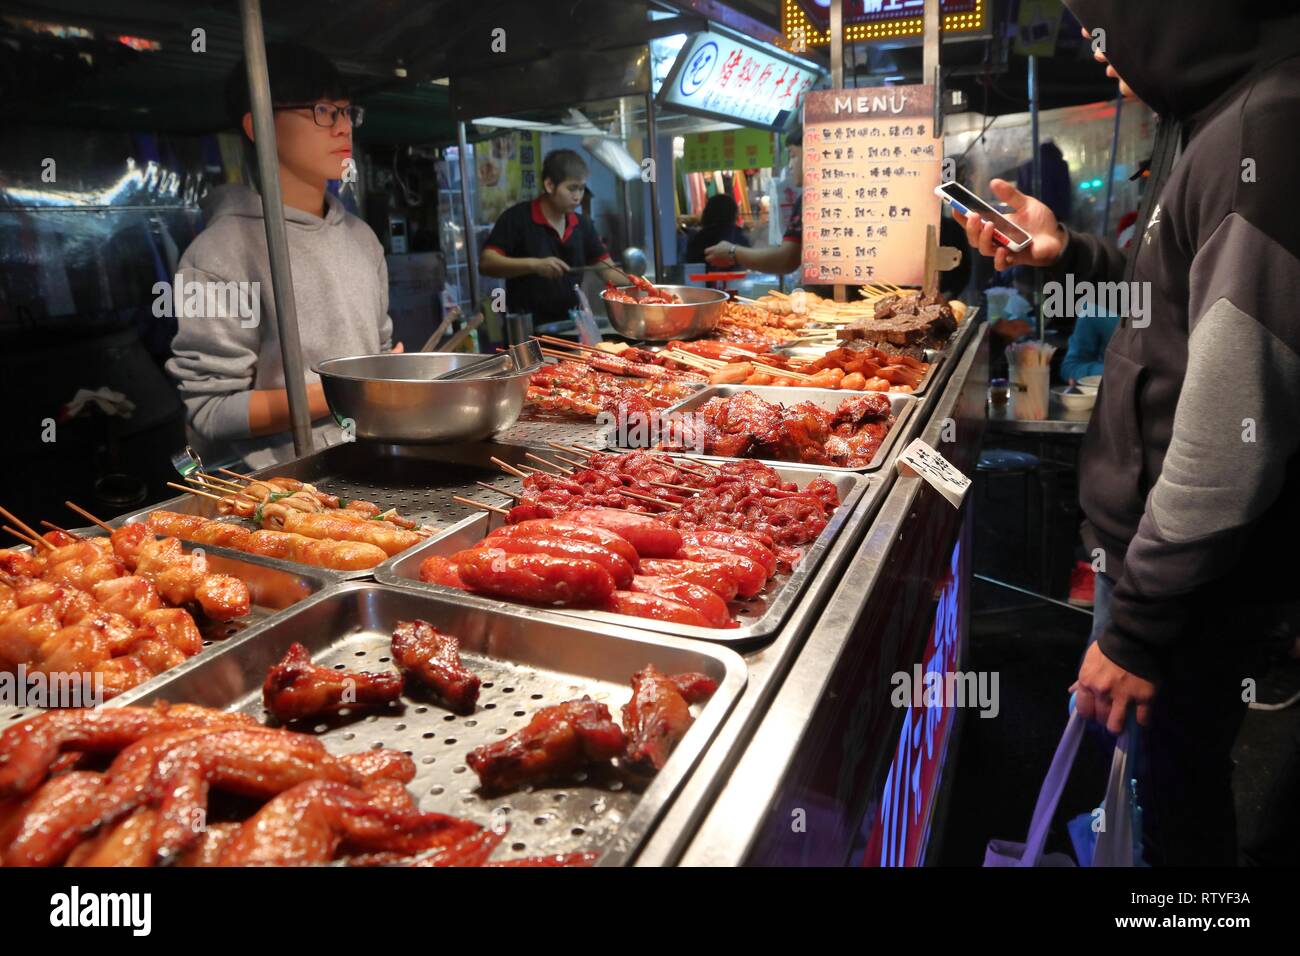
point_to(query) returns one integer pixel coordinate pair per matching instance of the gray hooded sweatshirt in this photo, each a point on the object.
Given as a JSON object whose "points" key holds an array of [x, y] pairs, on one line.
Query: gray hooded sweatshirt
{"points": [[340, 284]]}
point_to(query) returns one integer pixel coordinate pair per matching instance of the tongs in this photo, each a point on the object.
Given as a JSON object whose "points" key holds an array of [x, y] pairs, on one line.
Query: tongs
{"points": [[524, 357]]}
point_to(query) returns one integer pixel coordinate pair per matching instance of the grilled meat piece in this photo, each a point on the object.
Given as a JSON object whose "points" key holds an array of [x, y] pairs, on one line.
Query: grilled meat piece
{"points": [[296, 688], [658, 715], [558, 740], [433, 659]]}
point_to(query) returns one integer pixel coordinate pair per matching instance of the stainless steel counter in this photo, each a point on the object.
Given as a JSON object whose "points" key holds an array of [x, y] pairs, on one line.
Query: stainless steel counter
{"points": [[718, 817]]}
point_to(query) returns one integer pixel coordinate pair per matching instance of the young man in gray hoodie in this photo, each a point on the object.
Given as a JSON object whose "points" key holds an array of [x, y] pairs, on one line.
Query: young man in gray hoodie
{"points": [[228, 366]]}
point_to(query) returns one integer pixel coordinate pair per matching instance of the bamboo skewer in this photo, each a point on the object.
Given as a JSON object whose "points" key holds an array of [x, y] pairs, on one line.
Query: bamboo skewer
{"points": [[571, 461], [549, 464], [234, 474], [500, 491], [781, 373], [479, 505], [194, 491], [510, 469], [214, 480], [89, 517], [19, 523], [30, 542], [53, 527], [552, 340]]}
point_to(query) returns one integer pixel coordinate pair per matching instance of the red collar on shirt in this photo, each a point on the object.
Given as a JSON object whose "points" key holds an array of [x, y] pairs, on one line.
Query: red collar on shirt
{"points": [[570, 220]]}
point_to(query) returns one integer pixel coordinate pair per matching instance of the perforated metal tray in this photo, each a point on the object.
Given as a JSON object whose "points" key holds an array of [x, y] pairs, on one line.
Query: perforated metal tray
{"points": [[759, 617], [274, 586], [526, 661], [831, 399]]}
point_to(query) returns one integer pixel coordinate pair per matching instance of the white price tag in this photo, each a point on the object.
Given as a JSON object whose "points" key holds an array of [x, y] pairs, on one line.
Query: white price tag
{"points": [[920, 459]]}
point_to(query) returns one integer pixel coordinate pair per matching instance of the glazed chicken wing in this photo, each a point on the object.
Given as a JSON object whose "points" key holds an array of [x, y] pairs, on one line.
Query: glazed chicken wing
{"points": [[558, 740], [296, 688], [28, 749], [433, 658], [310, 822], [658, 715]]}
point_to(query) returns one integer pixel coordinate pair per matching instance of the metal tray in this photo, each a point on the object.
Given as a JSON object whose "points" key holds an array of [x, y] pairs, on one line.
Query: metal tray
{"points": [[275, 586], [831, 399], [417, 480], [759, 617], [526, 661]]}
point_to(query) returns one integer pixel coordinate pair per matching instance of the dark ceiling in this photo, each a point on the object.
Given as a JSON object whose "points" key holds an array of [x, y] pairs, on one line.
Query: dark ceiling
{"points": [[101, 82]]}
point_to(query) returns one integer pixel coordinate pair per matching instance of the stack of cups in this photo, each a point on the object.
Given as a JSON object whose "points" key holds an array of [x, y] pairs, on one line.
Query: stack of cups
{"points": [[1029, 367]]}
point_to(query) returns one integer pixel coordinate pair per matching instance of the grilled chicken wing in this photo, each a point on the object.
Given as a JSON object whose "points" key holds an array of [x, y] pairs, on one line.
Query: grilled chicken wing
{"points": [[433, 658], [297, 688], [658, 715], [310, 822], [558, 740]]}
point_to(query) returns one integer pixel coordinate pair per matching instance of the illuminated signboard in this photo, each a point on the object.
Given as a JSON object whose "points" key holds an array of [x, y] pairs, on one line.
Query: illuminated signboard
{"points": [[900, 830], [724, 78], [806, 23]]}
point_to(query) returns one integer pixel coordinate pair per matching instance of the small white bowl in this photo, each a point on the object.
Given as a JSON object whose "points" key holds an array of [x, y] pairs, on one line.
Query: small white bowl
{"points": [[1090, 383], [1079, 402]]}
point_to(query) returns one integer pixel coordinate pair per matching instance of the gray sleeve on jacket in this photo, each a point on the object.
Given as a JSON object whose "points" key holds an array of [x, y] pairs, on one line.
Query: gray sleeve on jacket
{"points": [[1235, 431], [214, 359], [1089, 258], [385, 320]]}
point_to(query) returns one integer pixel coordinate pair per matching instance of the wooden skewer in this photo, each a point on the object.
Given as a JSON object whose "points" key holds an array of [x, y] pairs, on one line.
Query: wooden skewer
{"points": [[234, 474], [550, 464], [91, 518], [510, 469], [206, 487], [554, 353], [571, 448], [194, 491], [500, 491], [19, 523], [672, 506], [30, 542], [220, 482], [552, 340], [54, 527], [783, 373], [571, 461], [480, 505]]}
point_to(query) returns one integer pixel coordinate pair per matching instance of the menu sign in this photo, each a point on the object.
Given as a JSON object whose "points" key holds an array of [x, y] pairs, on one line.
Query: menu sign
{"points": [[871, 164], [728, 149]]}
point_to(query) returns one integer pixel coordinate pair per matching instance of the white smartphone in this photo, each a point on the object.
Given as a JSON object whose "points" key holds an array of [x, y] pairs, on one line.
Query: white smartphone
{"points": [[962, 200]]}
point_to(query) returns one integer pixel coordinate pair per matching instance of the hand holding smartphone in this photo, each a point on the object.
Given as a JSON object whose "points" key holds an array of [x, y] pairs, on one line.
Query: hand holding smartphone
{"points": [[962, 200]]}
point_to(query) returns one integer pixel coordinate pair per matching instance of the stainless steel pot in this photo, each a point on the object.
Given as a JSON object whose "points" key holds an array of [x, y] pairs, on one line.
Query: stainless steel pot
{"points": [[697, 315]]}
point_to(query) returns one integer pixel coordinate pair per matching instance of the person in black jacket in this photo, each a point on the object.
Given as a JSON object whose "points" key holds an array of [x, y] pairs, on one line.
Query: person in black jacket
{"points": [[1189, 476], [717, 224]]}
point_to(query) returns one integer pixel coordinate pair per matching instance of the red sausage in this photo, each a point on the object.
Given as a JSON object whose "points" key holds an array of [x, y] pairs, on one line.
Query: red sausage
{"points": [[568, 549], [697, 596], [737, 543], [558, 527], [650, 536], [750, 575], [717, 578], [436, 569], [536, 578], [656, 608]]}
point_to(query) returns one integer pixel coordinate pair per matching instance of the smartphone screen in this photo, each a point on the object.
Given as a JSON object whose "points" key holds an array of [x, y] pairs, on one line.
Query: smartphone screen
{"points": [[964, 201]]}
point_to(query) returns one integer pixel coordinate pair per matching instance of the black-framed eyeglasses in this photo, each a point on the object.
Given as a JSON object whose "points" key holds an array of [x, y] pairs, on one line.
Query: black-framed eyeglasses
{"points": [[327, 114]]}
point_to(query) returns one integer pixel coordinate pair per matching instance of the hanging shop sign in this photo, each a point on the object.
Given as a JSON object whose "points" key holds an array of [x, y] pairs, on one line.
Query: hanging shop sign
{"points": [[807, 23], [871, 164], [728, 150], [724, 78]]}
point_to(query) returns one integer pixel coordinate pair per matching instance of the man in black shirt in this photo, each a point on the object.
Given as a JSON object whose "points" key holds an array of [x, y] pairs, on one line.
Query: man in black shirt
{"points": [[535, 244]]}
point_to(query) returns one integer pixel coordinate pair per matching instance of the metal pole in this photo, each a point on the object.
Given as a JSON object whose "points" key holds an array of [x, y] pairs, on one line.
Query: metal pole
{"points": [[1110, 175], [471, 239], [837, 44], [625, 194], [930, 59], [1036, 180], [277, 240], [654, 185]]}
